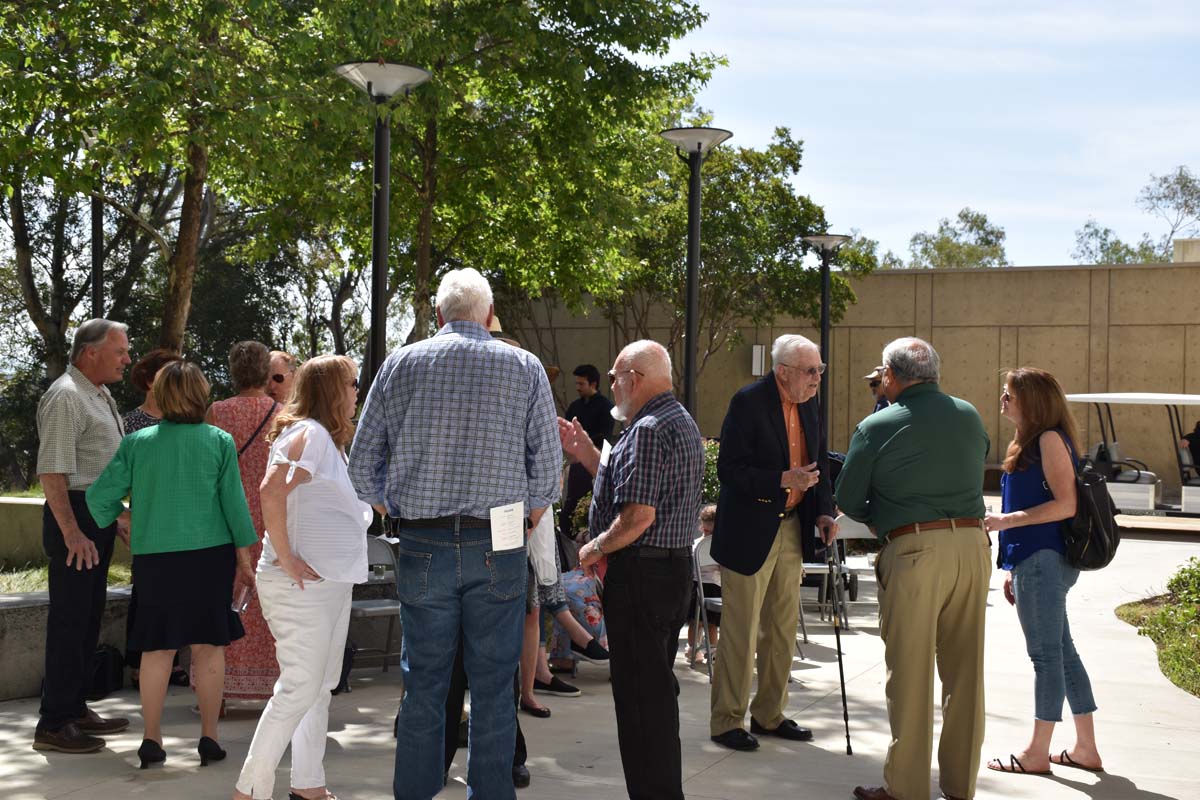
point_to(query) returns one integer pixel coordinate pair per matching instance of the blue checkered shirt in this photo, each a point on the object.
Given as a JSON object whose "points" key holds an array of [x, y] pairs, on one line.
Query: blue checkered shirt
{"points": [[659, 462], [457, 424]]}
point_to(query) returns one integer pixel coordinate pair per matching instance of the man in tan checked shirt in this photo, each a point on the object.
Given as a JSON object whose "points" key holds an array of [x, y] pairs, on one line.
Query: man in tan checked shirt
{"points": [[79, 428]]}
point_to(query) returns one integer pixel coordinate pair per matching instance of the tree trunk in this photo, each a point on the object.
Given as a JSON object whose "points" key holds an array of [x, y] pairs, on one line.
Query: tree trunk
{"points": [[52, 327], [181, 271], [423, 276]]}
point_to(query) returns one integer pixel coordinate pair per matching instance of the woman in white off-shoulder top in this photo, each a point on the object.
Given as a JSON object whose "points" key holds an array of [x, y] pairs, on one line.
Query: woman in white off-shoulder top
{"points": [[314, 552]]}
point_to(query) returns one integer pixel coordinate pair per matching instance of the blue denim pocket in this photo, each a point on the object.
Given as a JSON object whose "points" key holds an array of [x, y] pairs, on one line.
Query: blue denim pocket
{"points": [[507, 572], [412, 579]]}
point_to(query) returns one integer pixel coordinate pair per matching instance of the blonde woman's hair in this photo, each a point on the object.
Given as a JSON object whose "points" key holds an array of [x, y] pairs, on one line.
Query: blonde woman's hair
{"points": [[182, 392], [317, 394]]}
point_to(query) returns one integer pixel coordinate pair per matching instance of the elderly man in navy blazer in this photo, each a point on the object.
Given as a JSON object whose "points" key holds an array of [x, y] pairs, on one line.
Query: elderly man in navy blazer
{"points": [[775, 489]]}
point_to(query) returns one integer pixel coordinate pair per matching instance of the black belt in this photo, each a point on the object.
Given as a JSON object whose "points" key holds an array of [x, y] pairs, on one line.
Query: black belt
{"points": [[648, 551], [455, 520]]}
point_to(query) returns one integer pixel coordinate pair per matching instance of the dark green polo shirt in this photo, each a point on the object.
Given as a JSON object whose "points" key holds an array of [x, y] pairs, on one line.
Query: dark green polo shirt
{"points": [[918, 460]]}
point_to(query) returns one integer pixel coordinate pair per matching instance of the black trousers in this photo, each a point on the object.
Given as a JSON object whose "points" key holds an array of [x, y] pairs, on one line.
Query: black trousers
{"points": [[454, 707], [645, 604], [76, 610]]}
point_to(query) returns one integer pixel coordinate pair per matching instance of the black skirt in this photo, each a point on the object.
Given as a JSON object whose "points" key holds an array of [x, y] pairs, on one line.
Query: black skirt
{"points": [[184, 598]]}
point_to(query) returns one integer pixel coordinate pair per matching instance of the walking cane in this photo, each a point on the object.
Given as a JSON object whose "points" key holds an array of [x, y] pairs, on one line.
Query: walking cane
{"points": [[837, 634]]}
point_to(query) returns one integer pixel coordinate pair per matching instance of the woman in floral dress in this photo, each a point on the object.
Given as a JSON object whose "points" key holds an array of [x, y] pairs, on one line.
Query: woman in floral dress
{"points": [[250, 666]]}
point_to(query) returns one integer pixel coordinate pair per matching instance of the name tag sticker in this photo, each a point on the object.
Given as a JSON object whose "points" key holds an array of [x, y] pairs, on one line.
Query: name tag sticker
{"points": [[605, 452], [508, 526]]}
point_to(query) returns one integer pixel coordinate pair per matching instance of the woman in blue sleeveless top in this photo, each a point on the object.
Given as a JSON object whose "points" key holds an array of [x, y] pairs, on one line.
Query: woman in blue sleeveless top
{"points": [[1038, 491]]}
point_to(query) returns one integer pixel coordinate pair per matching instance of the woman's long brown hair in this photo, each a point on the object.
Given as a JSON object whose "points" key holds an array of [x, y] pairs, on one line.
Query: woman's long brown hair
{"points": [[1043, 408], [318, 394]]}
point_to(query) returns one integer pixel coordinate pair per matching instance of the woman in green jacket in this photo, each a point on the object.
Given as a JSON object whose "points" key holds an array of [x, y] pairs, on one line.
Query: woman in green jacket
{"points": [[190, 537]]}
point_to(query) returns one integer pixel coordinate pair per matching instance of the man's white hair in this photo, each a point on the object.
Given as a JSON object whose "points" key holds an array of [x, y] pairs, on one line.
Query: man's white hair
{"points": [[464, 294], [649, 358], [92, 334], [789, 345]]}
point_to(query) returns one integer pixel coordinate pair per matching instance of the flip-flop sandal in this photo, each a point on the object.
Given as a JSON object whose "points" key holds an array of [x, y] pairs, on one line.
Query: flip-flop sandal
{"points": [[1014, 767], [1065, 760]]}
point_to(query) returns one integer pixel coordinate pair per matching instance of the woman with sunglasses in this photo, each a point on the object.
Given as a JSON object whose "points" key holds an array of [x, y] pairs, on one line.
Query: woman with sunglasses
{"points": [[283, 373], [1038, 492], [315, 551]]}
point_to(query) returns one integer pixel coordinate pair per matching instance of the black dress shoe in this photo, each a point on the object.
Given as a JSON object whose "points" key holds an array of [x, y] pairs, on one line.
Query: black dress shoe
{"points": [[541, 712], [209, 750], [520, 776], [736, 739], [787, 729], [67, 739], [151, 752]]}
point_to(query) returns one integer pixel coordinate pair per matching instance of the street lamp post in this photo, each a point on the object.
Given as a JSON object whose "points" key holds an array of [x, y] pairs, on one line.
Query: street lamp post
{"points": [[827, 245], [692, 145], [381, 80]]}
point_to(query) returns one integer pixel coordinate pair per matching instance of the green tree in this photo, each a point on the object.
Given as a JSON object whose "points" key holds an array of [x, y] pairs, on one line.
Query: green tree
{"points": [[970, 241], [1174, 198]]}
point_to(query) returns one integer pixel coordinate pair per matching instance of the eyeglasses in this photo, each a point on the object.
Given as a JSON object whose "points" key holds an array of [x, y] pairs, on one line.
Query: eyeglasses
{"points": [[811, 372], [876, 384], [278, 378], [613, 375], [354, 383], [1005, 396]]}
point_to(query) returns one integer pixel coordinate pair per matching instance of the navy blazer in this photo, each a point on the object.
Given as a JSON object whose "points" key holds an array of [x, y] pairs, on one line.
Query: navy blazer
{"points": [[753, 457]]}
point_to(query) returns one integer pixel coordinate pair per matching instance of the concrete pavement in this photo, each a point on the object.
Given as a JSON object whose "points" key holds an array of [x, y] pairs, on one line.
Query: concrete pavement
{"points": [[1148, 730]]}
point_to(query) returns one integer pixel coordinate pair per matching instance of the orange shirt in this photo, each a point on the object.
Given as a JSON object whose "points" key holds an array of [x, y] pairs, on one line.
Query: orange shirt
{"points": [[797, 446]]}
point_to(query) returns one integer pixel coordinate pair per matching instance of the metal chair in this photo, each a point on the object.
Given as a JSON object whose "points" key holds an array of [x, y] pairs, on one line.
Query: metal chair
{"points": [[380, 553], [702, 557], [834, 598]]}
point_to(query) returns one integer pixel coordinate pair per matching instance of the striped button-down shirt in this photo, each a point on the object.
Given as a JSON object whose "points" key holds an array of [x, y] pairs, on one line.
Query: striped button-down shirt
{"points": [[79, 428], [658, 462], [457, 424]]}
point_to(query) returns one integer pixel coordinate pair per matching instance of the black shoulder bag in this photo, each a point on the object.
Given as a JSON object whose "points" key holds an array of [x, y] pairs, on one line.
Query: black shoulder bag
{"points": [[1092, 535], [257, 430]]}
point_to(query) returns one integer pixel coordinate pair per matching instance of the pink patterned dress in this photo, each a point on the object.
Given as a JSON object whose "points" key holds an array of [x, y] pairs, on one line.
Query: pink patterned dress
{"points": [[250, 666]]}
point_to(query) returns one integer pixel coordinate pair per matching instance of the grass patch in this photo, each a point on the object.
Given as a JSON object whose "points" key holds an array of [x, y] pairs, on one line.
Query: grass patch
{"points": [[32, 491], [1172, 622], [30, 578]]}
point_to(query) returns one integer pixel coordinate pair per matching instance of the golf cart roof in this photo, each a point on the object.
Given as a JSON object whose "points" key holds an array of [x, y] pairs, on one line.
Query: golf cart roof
{"points": [[1137, 399]]}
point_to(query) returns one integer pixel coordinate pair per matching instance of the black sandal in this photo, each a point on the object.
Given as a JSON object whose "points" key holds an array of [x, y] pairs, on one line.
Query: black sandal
{"points": [[1014, 768], [1065, 760]]}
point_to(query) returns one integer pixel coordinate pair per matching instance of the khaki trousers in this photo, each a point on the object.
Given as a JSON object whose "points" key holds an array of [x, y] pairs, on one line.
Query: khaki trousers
{"points": [[759, 614], [933, 589]]}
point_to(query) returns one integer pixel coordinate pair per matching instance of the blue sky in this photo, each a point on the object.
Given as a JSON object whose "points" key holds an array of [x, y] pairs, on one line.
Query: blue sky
{"points": [[1041, 115]]}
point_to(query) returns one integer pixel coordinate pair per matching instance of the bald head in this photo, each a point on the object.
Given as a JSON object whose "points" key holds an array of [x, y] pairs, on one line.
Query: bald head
{"points": [[641, 371]]}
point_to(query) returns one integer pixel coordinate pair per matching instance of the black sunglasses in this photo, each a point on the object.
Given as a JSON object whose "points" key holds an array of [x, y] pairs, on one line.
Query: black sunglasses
{"points": [[278, 378], [876, 384]]}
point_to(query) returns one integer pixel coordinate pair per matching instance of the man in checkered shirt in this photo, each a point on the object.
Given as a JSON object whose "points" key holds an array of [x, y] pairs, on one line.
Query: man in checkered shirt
{"points": [[79, 428], [645, 512], [453, 427]]}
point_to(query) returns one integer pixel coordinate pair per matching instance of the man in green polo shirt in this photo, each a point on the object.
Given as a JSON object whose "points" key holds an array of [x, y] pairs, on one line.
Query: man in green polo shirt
{"points": [[914, 473]]}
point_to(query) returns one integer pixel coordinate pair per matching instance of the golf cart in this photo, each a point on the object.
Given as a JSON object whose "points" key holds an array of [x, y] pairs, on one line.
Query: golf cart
{"points": [[1133, 487]]}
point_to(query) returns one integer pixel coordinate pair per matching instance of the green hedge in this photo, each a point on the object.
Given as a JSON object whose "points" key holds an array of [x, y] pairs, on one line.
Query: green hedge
{"points": [[1172, 622]]}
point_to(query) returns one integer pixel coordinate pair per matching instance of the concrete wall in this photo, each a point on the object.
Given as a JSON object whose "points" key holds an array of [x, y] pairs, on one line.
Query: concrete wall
{"points": [[21, 533], [1097, 328]]}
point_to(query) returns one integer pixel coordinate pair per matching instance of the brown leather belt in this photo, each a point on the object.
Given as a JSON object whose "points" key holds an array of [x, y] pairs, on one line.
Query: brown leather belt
{"points": [[936, 525]]}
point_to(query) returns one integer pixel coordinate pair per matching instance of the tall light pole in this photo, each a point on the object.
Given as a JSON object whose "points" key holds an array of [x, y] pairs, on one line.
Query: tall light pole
{"points": [[381, 80], [827, 245], [692, 145]]}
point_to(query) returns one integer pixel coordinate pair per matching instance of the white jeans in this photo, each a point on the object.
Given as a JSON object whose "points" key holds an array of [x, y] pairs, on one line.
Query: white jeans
{"points": [[309, 627]]}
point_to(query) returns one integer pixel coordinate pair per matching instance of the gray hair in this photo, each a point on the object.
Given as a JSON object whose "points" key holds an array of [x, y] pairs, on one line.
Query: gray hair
{"points": [[464, 294], [649, 358], [912, 360], [789, 344], [92, 333]]}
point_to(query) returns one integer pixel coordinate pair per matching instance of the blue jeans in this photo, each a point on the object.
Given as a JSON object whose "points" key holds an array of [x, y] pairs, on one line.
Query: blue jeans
{"points": [[1040, 585], [451, 579]]}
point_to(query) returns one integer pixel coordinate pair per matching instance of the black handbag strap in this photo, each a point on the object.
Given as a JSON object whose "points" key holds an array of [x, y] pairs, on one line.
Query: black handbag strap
{"points": [[253, 436]]}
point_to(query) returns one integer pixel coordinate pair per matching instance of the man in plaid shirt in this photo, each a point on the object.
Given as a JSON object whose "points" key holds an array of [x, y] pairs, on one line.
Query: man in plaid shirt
{"points": [[644, 514], [453, 427]]}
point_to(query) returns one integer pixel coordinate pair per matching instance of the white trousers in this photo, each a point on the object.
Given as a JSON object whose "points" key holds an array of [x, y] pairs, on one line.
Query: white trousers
{"points": [[309, 627]]}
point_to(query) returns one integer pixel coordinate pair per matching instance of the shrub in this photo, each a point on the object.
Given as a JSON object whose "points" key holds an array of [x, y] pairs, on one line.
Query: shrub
{"points": [[1172, 622]]}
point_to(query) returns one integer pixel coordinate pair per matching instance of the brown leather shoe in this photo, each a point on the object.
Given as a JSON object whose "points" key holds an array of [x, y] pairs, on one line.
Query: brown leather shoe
{"points": [[67, 739], [94, 723], [872, 793]]}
